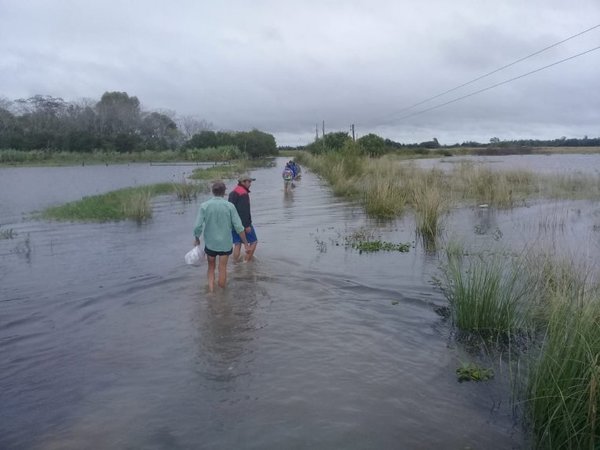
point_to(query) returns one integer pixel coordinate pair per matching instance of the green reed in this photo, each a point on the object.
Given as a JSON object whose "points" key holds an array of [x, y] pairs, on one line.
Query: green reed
{"points": [[563, 385], [137, 206], [430, 201], [187, 191], [486, 294]]}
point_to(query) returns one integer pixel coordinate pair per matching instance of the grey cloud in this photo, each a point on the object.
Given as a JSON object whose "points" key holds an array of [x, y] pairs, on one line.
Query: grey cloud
{"points": [[284, 66]]}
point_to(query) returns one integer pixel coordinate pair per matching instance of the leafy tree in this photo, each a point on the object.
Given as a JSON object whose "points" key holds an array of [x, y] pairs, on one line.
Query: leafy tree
{"points": [[159, 131], [11, 133], [118, 113], [204, 139], [372, 145], [335, 141], [125, 142], [79, 141], [225, 138], [256, 143]]}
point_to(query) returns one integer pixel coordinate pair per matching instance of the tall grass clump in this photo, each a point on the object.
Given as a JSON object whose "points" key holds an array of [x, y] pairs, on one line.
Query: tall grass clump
{"points": [[342, 169], [486, 295], [137, 206], [384, 197], [187, 191], [563, 386], [430, 201], [499, 188]]}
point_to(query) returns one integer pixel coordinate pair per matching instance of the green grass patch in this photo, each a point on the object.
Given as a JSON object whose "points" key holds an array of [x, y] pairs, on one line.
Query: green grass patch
{"points": [[220, 172], [60, 158], [129, 203], [231, 170]]}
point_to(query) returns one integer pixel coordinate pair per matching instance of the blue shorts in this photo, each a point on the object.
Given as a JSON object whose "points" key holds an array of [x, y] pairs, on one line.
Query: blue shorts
{"points": [[213, 253], [251, 237]]}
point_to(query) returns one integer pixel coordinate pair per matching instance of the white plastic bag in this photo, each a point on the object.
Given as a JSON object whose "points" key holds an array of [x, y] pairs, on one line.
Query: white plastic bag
{"points": [[195, 256]]}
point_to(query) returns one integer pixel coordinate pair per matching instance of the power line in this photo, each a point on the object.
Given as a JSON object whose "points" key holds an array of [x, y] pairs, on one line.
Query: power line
{"points": [[498, 70], [498, 84]]}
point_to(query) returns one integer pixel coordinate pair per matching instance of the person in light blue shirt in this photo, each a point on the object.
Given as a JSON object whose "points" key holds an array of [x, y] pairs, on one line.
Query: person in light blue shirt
{"points": [[216, 218]]}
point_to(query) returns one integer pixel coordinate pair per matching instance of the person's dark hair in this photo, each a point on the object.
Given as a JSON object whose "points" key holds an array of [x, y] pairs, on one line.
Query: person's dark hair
{"points": [[218, 188]]}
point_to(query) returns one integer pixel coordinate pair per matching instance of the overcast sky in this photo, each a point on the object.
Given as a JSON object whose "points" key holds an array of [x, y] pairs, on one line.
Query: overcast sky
{"points": [[285, 66]]}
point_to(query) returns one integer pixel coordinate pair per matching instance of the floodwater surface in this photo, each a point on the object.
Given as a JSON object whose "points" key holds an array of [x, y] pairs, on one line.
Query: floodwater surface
{"points": [[109, 341]]}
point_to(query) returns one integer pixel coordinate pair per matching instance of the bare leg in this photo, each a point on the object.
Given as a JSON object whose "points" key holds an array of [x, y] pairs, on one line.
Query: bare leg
{"points": [[236, 252], [223, 270], [211, 272], [251, 250]]}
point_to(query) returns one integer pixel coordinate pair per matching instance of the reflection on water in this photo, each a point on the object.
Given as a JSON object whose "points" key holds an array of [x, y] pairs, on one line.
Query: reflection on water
{"points": [[108, 337], [225, 331]]}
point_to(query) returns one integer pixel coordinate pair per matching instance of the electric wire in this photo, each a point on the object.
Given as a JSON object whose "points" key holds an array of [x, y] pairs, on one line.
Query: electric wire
{"points": [[498, 69], [497, 84]]}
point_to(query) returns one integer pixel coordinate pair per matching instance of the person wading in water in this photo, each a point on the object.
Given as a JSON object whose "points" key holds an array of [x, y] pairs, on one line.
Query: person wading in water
{"points": [[216, 218], [240, 198]]}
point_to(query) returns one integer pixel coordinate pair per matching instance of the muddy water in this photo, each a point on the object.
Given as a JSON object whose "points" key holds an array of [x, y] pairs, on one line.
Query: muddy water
{"points": [[108, 340]]}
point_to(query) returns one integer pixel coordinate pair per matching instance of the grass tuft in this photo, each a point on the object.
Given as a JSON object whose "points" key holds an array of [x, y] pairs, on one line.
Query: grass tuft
{"points": [[486, 295]]}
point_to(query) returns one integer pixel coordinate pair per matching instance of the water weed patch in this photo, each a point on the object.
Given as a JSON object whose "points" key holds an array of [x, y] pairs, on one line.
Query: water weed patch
{"points": [[473, 372]]}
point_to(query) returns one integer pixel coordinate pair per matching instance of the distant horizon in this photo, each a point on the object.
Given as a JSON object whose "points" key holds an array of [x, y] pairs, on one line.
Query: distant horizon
{"points": [[460, 71], [306, 138]]}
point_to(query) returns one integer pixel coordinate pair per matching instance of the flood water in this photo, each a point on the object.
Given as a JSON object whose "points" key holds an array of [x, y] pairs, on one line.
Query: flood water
{"points": [[109, 341]]}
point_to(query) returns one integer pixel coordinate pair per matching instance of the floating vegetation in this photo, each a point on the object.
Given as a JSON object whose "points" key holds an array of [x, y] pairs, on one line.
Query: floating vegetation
{"points": [[364, 240], [377, 246], [473, 372], [362, 234]]}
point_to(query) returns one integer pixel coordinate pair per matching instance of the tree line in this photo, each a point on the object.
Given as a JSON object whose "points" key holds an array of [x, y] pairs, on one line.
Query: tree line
{"points": [[374, 145], [116, 122]]}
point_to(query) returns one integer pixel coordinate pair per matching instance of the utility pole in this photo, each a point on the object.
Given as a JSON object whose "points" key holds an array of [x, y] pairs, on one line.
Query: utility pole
{"points": [[353, 138], [316, 132], [323, 135]]}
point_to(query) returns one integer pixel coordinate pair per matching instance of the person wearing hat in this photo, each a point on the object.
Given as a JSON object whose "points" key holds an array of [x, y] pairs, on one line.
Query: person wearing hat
{"points": [[240, 197], [216, 218]]}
